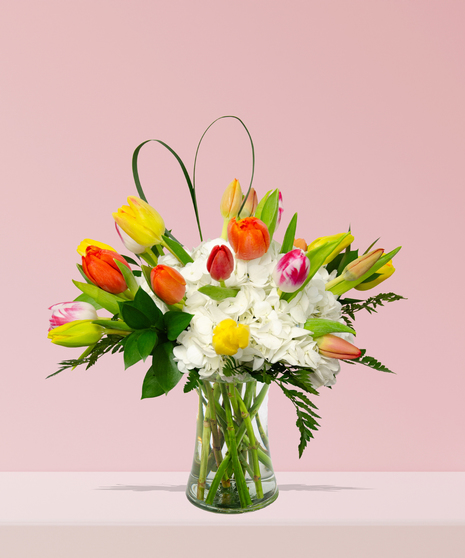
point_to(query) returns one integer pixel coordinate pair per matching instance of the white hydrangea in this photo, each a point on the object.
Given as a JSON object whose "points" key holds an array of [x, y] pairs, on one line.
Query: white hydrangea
{"points": [[276, 326]]}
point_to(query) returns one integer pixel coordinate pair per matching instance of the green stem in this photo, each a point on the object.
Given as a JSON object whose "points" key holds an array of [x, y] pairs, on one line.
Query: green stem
{"points": [[246, 466], [252, 446], [263, 435], [149, 257], [222, 469], [244, 495], [204, 455], [214, 429]]}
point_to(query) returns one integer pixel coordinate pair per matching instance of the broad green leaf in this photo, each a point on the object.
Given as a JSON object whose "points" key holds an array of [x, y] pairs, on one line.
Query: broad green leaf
{"points": [[320, 326], [146, 270], [261, 205], [177, 250], [81, 271], [288, 242], [218, 293], [175, 323], [131, 350], [113, 324], [144, 302], [163, 375], [137, 273], [269, 214], [146, 342], [86, 298], [128, 277], [130, 260], [133, 316], [105, 300]]}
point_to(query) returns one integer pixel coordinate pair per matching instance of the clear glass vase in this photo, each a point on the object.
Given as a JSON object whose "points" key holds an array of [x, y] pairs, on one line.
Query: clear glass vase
{"points": [[232, 470]]}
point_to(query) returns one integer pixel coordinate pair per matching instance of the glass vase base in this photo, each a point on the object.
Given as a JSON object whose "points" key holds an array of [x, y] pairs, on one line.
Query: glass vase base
{"points": [[227, 500]]}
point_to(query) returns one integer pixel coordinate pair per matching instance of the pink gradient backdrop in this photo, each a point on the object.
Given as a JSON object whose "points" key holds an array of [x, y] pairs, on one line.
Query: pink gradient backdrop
{"points": [[357, 113]]}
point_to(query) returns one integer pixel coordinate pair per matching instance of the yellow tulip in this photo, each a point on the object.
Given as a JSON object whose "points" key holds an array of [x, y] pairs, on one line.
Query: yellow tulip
{"points": [[231, 200], [324, 239], [80, 333], [383, 273], [89, 242], [229, 337], [141, 222]]}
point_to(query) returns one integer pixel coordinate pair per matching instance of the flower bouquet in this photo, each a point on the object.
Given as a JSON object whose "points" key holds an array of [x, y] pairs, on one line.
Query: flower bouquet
{"points": [[232, 316]]}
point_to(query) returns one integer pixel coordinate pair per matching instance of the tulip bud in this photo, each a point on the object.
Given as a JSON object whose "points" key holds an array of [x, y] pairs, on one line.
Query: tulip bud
{"points": [[249, 238], [100, 268], [64, 312], [300, 243], [80, 333], [220, 263], [280, 209], [141, 222], [128, 242], [382, 274], [231, 200], [168, 284], [229, 337], [361, 265], [324, 239], [291, 271], [81, 249], [334, 347], [250, 205]]}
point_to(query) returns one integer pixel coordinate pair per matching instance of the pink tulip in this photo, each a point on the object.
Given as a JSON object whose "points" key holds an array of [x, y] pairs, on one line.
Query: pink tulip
{"points": [[334, 347], [64, 312], [291, 270]]}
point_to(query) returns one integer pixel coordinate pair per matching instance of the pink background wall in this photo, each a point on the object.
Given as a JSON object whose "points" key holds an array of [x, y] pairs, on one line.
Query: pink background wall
{"points": [[357, 112]]}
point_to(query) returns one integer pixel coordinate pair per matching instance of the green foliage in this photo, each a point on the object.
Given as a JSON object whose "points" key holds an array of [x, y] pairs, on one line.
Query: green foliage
{"points": [[289, 237], [134, 317], [269, 213], [106, 344], [350, 306], [105, 300], [163, 375], [131, 350], [371, 362], [177, 250], [218, 293], [86, 298], [128, 276], [192, 382], [321, 326], [175, 323]]}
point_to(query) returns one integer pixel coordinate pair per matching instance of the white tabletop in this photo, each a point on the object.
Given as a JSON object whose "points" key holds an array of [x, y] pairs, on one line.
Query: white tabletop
{"points": [[305, 499]]}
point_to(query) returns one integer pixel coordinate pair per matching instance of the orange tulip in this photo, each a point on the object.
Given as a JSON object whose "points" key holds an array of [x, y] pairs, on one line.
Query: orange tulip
{"points": [[249, 238], [300, 243], [100, 267], [334, 347], [168, 284]]}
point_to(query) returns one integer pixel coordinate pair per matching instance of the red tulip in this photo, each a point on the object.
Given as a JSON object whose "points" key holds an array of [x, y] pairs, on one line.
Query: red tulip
{"points": [[100, 268], [168, 284], [249, 238], [220, 263], [334, 347]]}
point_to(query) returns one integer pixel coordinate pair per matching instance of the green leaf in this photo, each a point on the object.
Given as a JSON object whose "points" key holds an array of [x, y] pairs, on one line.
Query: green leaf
{"points": [[288, 242], [192, 382], [147, 270], [163, 375], [144, 302], [86, 298], [81, 271], [347, 257], [352, 305], [105, 300], [131, 350], [130, 260], [128, 277], [112, 324], [371, 362], [175, 323], [177, 250], [134, 317], [371, 246], [146, 342], [218, 293], [269, 214], [320, 326], [261, 205]]}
